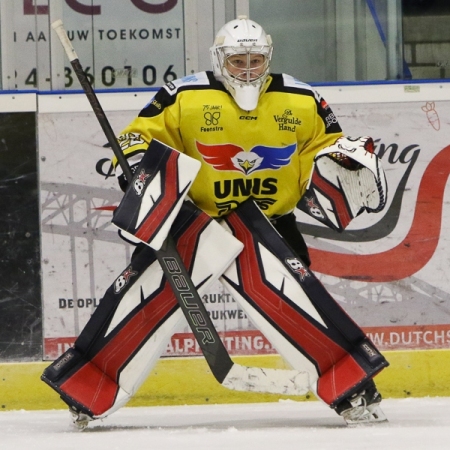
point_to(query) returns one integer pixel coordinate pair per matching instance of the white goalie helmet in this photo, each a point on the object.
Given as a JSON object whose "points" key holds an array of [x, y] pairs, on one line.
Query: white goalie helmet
{"points": [[240, 59]]}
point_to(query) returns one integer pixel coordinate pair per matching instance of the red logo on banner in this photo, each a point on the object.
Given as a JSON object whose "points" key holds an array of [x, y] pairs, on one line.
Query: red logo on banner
{"points": [[416, 249]]}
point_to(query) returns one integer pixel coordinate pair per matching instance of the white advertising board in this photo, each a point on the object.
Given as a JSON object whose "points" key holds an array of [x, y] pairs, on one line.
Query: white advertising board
{"points": [[387, 270]]}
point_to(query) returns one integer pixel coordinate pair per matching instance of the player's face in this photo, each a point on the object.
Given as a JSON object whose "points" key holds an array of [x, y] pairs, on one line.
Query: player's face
{"points": [[247, 66]]}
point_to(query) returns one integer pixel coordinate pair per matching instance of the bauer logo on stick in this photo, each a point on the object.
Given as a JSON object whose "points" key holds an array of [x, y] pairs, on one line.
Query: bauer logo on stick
{"points": [[63, 361]]}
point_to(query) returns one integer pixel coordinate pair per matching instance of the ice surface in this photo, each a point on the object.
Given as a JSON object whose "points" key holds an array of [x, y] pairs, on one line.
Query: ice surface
{"points": [[414, 424]]}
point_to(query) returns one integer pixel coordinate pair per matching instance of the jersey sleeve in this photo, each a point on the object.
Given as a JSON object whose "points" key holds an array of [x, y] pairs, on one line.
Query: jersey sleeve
{"points": [[157, 120], [325, 131]]}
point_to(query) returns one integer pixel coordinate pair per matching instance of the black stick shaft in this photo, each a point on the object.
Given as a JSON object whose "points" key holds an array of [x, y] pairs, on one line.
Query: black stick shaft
{"points": [[101, 117]]}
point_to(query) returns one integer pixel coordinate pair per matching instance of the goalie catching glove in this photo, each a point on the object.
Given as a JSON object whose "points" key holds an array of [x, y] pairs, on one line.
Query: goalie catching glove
{"points": [[346, 180]]}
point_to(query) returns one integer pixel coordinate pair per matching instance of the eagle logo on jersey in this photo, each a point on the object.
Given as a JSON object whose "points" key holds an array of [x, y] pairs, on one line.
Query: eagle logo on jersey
{"points": [[234, 158]]}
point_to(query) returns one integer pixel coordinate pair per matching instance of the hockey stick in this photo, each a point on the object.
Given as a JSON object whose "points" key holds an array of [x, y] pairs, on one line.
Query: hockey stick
{"points": [[228, 373]]}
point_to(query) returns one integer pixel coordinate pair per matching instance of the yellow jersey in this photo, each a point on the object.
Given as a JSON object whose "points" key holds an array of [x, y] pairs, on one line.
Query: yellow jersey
{"points": [[266, 154]]}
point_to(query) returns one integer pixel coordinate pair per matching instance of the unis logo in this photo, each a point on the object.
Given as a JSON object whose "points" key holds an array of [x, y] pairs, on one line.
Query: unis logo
{"points": [[233, 158]]}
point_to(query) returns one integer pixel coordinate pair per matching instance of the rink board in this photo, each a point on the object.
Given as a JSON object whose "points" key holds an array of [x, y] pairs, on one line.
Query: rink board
{"points": [[388, 270], [188, 381]]}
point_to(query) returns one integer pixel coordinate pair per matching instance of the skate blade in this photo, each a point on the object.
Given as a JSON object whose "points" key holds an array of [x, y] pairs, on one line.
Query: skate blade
{"points": [[79, 421], [371, 415]]}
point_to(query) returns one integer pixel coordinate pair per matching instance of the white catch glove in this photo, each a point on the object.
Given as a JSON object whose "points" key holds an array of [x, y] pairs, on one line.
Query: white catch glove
{"points": [[346, 179]]}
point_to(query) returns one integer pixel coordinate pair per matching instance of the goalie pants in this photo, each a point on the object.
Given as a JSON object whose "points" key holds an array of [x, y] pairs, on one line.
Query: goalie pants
{"points": [[131, 327]]}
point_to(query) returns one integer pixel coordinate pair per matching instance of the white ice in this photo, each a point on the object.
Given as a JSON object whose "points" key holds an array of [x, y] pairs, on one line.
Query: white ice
{"points": [[414, 424]]}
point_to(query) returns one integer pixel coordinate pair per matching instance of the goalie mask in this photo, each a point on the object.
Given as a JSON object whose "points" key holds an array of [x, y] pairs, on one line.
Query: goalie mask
{"points": [[240, 59]]}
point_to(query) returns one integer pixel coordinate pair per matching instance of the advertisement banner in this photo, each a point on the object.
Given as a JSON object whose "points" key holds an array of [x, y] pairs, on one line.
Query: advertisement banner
{"points": [[387, 270], [252, 342], [121, 43]]}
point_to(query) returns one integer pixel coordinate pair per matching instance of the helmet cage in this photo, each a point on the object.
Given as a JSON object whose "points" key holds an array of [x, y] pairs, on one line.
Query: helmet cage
{"points": [[245, 80], [253, 73]]}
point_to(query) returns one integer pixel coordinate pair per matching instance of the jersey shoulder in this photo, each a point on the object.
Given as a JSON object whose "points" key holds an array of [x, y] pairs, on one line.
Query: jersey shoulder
{"points": [[200, 80], [169, 93], [283, 82]]}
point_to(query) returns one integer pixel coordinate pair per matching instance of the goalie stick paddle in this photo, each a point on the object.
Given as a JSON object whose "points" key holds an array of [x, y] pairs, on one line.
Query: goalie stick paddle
{"points": [[227, 372]]}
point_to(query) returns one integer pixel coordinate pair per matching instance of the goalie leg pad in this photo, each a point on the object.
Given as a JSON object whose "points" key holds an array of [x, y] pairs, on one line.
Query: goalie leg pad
{"points": [[155, 194], [295, 312], [134, 311], [130, 328]]}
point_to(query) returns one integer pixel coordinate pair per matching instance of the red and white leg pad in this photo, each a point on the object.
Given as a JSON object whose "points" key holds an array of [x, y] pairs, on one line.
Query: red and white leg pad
{"points": [[284, 299], [134, 321]]}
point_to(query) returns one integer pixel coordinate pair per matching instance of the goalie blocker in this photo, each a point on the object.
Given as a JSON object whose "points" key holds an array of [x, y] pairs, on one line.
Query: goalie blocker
{"points": [[155, 195]]}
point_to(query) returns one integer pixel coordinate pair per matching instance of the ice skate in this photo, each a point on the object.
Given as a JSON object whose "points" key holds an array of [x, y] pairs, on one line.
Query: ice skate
{"points": [[80, 421], [362, 407]]}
